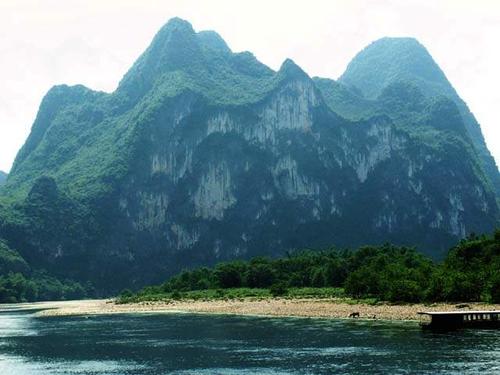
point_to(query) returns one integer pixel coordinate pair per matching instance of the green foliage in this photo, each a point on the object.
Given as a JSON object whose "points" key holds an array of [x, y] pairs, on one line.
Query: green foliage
{"points": [[318, 278], [393, 59], [229, 275], [405, 291], [11, 261], [470, 272], [310, 292], [495, 287], [260, 273], [344, 100], [15, 287], [278, 289], [389, 273], [126, 293], [19, 283], [390, 60], [3, 177]]}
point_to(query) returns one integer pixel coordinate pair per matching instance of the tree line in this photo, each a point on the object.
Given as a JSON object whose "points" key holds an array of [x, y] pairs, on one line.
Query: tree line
{"points": [[470, 272], [19, 283], [39, 286]]}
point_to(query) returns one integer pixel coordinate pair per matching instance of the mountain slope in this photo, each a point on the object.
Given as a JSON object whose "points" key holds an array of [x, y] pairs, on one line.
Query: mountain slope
{"points": [[390, 60], [3, 178], [202, 154]]}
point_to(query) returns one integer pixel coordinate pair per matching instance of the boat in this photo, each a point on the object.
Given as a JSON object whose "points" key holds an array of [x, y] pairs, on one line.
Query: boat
{"points": [[446, 320]]}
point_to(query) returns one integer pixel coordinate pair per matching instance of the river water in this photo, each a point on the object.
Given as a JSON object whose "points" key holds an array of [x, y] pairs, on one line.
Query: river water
{"points": [[203, 344]]}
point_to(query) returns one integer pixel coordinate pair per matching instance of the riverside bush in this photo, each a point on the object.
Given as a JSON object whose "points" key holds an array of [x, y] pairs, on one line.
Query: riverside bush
{"points": [[470, 272]]}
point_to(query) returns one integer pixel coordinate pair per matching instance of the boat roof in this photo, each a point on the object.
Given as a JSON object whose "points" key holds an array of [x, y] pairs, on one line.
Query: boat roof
{"points": [[463, 312]]}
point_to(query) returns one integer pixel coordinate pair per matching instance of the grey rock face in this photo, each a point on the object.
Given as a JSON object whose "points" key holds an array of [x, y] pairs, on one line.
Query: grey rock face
{"points": [[203, 155]]}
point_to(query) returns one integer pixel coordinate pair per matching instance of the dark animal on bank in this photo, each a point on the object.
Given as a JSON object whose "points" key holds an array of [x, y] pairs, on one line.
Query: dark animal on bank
{"points": [[354, 315]]}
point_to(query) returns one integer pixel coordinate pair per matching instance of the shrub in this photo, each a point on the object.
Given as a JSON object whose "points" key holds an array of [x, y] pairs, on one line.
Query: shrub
{"points": [[318, 278], [176, 295], [495, 287], [405, 291], [260, 275], [278, 289], [126, 293], [229, 275]]}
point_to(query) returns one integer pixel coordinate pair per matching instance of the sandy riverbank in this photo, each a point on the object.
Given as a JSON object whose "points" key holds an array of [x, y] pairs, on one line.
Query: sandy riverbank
{"points": [[317, 308]]}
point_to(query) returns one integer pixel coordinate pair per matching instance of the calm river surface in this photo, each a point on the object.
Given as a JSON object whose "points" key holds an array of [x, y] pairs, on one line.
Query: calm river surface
{"points": [[201, 344]]}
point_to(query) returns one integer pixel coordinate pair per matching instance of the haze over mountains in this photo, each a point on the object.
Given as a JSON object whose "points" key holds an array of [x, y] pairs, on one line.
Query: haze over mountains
{"points": [[202, 154]]}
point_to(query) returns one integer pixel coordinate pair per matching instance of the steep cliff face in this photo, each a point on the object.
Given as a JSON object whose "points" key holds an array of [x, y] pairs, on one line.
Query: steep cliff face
{"points": [[390, 60], [203, 155]]}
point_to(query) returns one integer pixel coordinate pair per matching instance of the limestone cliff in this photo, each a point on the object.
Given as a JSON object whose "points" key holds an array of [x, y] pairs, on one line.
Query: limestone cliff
{"points": [[202, 154]]}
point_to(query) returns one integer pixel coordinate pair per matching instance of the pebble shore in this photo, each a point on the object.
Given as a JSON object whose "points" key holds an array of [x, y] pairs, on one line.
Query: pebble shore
{"points": [[273, 307]]}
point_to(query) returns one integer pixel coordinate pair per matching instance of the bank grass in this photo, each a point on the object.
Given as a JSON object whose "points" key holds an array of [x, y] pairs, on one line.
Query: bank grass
{"points": [[229, 294], [311, 292]]}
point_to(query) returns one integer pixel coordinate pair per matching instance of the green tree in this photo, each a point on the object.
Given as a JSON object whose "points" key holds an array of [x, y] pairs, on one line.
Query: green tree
{"points": [[260, 274], [229, 275]]}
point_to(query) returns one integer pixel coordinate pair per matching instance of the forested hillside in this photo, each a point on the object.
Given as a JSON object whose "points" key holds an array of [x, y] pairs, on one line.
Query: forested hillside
{"points": [[203, 155]]}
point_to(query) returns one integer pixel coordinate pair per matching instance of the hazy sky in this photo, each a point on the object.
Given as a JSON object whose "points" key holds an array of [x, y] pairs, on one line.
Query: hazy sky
{"points": [[94, 42]]}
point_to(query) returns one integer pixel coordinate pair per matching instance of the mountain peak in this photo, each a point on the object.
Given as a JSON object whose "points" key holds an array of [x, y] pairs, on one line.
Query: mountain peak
{"points": [[401, 41], [174, 47], [212, 40], [174, 30], [177, 24], [175, 34], [290, 69], [393, 59], [388, 60]]}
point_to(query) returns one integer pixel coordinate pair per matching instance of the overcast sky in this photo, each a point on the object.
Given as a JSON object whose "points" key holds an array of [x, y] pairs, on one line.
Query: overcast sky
{"points": [[94, 42]]}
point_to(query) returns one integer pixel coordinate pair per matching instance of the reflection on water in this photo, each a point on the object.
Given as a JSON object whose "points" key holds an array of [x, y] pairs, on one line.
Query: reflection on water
{"points": [[201, 344]]}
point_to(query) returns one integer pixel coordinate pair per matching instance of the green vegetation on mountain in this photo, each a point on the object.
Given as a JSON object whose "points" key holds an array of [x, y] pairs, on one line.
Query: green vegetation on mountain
{"points": [[469, 273], [3, 178], [15, 287], [10, 261], [45, 214], [203, 155], [19, 283], [390, 60], [346, 101]]}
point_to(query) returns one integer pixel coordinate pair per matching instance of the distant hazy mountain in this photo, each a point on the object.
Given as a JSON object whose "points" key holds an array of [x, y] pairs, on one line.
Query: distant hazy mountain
{"points": [[404, 59], [3, 177], [202, 154]]}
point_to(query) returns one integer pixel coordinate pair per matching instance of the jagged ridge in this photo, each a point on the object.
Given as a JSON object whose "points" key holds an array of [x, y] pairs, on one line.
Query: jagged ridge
{"points": [[202, 154]]}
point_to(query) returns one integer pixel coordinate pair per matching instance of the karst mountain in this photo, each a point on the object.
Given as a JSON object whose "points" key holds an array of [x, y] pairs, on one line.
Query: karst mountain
{"points": [[202, 155]]}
